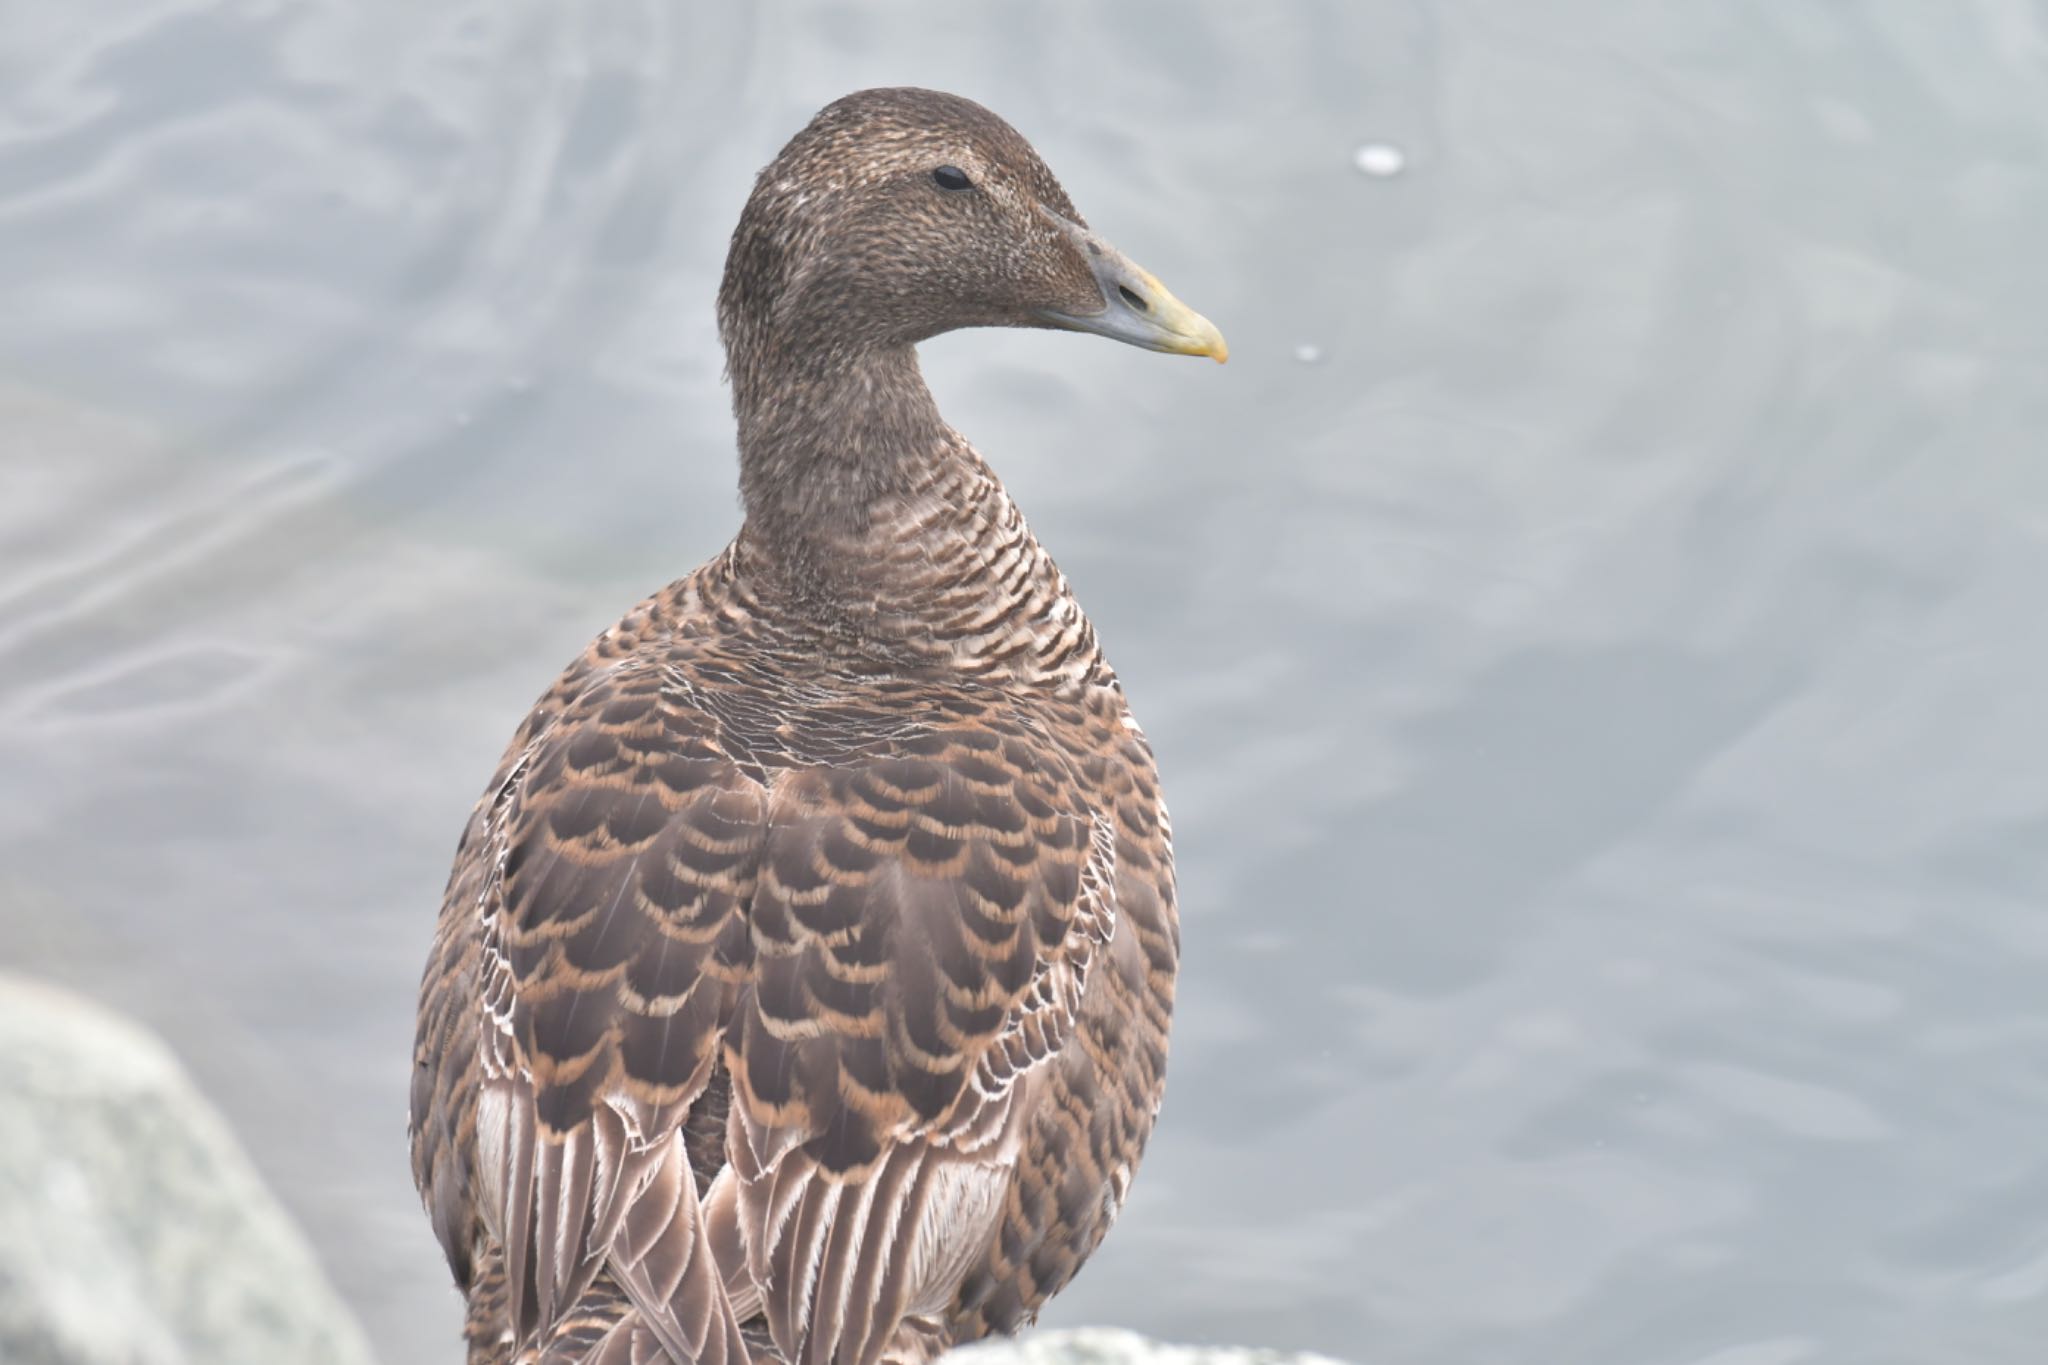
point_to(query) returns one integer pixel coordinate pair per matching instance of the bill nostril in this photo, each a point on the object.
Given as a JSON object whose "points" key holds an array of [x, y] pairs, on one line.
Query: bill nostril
{"points": [[1095, 248], [1133, 298]]}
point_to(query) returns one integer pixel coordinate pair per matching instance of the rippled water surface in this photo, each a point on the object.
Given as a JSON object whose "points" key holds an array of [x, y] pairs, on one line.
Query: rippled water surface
{"points": [[1595, 630]]}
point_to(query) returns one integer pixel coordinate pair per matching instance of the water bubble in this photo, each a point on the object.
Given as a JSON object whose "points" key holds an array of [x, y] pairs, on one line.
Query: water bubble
{"points": [[1379, 159]]}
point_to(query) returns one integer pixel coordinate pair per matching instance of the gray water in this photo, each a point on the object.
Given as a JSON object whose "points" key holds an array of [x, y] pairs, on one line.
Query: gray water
{"points": [[1593, 630]]}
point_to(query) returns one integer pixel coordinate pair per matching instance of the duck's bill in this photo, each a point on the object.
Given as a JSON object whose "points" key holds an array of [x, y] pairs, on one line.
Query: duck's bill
{"points": [[1137, 309]]}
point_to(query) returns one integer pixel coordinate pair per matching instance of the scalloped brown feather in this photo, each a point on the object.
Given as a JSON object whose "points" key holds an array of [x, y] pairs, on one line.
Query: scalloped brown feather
{"points": [[801, 989]]}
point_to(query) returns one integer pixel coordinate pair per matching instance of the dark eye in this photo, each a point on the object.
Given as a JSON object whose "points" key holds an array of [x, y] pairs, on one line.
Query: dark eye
{"points": [[952, 178]]}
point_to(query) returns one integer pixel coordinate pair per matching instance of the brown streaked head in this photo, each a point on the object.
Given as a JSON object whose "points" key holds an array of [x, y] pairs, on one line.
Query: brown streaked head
{"points": [[898, 214]]}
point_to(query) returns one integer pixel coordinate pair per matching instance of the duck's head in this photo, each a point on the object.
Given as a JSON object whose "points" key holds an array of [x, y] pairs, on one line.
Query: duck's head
{"points": [[899, 214]]}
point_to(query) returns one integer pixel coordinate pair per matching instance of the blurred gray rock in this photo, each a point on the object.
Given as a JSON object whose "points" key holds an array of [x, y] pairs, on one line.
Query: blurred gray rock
{"points": [[1114, 1346], [133, 1229]]}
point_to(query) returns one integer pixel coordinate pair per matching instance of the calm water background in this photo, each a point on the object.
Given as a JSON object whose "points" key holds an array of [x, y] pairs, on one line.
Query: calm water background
{"points": [[1602, 684]]}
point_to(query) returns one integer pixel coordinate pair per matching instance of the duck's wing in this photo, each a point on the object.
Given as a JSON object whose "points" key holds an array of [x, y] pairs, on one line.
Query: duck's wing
{"points": [[884, 948], [617, 863], [923, 926]]}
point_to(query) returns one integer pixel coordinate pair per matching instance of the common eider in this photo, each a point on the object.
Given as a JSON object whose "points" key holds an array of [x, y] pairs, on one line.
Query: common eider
{"points": [[801, 989]]}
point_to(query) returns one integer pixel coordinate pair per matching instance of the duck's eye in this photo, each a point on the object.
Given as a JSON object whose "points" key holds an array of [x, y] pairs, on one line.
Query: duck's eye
{"points": [[952, 178]]}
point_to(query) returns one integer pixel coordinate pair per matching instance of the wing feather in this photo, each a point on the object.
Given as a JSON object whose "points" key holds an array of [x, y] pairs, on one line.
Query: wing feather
{"points": [[882, 951], [923, 928], [627, 849], [664, 1262]]}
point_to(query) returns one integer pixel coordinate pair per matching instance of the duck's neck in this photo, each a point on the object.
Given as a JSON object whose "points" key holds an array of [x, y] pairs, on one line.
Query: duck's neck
{"points": [[827, 434], [865, 512]]}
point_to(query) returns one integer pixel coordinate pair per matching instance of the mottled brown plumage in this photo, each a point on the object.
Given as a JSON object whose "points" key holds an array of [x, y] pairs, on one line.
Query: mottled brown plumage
{"points": [[801, 989]]}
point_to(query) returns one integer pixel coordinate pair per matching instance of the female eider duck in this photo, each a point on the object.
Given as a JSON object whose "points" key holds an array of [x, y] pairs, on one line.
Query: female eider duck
{"points": [[802, 985]]}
